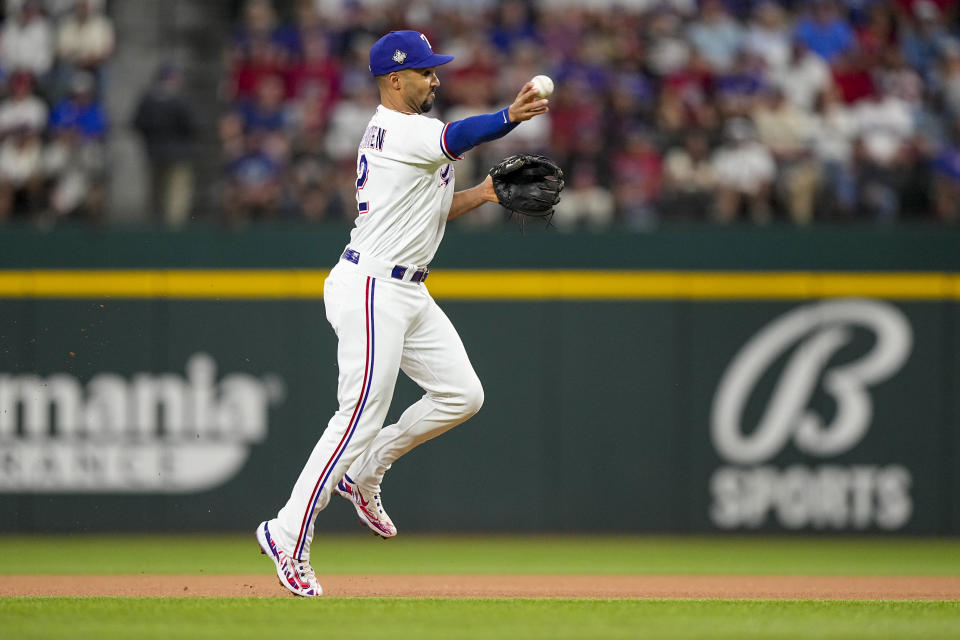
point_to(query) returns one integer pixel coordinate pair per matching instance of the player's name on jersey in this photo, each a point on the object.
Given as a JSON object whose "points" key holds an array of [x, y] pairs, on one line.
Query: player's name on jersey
{"points": [[373, 138]]}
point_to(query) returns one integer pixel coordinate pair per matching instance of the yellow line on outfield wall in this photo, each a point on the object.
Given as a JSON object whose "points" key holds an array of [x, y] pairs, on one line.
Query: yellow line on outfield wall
{"points": [[487, 284], [692, 285]]}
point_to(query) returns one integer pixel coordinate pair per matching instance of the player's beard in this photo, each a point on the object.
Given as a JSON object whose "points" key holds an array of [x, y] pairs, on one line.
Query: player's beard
{"points": [[427, 104]]}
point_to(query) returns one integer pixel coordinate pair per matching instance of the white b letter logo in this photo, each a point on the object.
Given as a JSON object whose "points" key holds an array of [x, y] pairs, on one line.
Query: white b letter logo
{"points": [[818, 330]]}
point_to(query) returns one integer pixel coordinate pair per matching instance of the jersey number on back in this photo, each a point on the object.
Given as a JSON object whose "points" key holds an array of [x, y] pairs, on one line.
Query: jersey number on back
{"points": [[363, 172]]}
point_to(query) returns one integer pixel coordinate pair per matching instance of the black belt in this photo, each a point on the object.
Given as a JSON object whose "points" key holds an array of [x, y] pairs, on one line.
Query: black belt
{"points": [[398, 272]]}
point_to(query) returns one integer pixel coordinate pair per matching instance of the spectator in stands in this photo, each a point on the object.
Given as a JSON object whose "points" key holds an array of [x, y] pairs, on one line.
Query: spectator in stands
{"points": [[591, 62], [852, 77], [254, 184], [932, 130], [804, 76], [309, 115], [267, 110], [630, 99], [686, 99], [716, 35], [738, 90], [637, 173], [824, 31], [767, 35], [261, 60], [58, 9], [261, 27], [318, 203], [833, 132], [876, 34], [164, 117], [307, 23], [786, 131], [21, 174], [899, 80], [514, 24], [673, 115], [233, 144], [85, 40], [948, 77], [81, 109], [314, 61], [947, 7], [883, 153], [22, 109], [309, 192], [74, 176], [585, 203], [560, 32], [574, 109], [745, 171], [924, 37], [945, 181], [477, 65], [667, 49], [75, 167], [314, 83], [26, 41], [689, 181], [349, 119]]}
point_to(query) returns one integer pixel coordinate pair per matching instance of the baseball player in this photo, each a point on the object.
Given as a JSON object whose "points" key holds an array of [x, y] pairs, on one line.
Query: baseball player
{"points": [[379, 307]]}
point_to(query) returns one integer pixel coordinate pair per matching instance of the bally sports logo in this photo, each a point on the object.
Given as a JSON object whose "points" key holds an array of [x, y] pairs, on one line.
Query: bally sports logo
{"points": [[748, 492], [163, 432]]}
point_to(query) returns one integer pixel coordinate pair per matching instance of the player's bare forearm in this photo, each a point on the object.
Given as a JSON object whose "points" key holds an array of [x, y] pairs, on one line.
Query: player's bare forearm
{"points": [[470, 199], [527, 104]]}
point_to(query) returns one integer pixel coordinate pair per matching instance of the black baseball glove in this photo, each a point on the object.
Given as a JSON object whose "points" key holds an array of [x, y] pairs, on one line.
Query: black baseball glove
{"points": [[528, 185]]}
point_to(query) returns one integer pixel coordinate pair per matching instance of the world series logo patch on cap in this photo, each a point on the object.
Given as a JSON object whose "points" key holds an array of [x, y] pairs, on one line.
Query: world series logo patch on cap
{"points": [[399, 56]]}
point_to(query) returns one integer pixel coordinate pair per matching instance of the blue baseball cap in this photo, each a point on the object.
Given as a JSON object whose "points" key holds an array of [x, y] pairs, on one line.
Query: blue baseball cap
{"points": [[403, 50]]}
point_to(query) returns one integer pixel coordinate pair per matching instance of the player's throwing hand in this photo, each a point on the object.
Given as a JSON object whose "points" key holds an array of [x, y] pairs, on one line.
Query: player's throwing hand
{"points": [[527, 104]]}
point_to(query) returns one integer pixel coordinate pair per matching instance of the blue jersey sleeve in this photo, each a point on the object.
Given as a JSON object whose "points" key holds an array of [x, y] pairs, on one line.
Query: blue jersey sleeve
{"points": [[463, 135]]}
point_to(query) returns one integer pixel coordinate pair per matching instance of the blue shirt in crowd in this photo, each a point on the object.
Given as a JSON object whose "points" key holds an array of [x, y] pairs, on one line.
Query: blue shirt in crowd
{"points": [[89, 118], [828, 40]]}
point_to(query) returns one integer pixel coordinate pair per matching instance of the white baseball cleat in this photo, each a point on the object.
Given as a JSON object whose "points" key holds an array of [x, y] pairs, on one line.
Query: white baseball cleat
{"points": [[296, 576], [369, 508]]}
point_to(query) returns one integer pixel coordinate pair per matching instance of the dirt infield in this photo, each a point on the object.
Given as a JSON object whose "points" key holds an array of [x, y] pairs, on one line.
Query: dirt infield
{"points": [[497, 586]]}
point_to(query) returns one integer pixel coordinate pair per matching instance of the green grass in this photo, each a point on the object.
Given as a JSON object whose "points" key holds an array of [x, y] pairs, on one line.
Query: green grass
{"points": [[413, 553], [52, 618], [236, 619]]}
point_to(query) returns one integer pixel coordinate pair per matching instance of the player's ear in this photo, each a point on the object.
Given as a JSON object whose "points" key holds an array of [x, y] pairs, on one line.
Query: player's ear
{"points": [[394, 79]]}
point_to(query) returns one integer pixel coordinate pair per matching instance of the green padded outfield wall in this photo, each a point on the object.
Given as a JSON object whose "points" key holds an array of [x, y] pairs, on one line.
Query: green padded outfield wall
{"points": [[698, 380]]}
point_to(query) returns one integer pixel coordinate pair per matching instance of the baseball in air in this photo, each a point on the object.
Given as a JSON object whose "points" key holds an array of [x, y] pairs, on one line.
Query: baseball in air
{"points": [[543, 85]]}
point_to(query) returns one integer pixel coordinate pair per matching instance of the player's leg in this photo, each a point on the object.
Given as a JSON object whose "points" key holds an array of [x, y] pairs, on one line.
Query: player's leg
{"points": [[434, 357], [369, 321]]}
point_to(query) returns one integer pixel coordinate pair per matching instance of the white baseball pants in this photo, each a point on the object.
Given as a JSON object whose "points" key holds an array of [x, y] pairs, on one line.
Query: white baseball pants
{"points": [[383, 326]]}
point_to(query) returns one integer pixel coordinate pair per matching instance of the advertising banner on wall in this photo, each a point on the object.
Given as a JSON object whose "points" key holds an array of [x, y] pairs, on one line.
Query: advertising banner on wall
{"points": [[150, 414], [671, 412], [144, 432], [820, 415]]}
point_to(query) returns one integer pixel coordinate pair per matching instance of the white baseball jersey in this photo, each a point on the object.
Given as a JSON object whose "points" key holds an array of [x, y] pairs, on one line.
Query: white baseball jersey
{"points": [[405, 186], [385, 323]]}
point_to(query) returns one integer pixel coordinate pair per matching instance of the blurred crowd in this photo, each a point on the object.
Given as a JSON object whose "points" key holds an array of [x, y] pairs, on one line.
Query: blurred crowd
{"points": [[52, 120], [665, 110], [793, 111]]}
